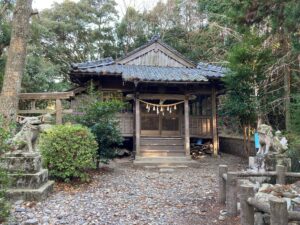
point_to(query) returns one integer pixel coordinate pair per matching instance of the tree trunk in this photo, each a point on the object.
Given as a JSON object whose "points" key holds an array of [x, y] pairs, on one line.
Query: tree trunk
{"points": [[16, 59], [287, 101], [245, 138]]}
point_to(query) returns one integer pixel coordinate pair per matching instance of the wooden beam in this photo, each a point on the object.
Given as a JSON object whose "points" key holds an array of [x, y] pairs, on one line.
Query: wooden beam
{"points": [[214, 121], [43, 111], [186, 127], [164, 96], [137, 125], [46, 95]]}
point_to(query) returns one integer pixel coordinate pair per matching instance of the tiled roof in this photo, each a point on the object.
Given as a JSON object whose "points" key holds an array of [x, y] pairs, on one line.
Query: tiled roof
{"points": [[147, 73], [212, 71], [93, 64], [139, 72]]}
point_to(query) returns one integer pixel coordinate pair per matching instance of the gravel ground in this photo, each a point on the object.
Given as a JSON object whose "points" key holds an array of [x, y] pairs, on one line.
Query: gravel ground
{"points": [[123, 194]]}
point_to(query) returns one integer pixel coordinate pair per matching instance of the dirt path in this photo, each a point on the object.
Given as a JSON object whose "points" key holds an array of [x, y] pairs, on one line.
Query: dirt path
{"points": [[124, 194]]}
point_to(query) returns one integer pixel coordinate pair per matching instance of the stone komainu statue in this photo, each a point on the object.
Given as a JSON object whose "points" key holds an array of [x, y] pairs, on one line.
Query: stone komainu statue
{"points": [[268, 142], [26, 138]]}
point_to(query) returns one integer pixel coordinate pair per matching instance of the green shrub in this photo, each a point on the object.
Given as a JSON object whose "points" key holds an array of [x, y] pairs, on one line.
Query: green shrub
{"points": [[5, 134], [100, 117], [68, 151]]}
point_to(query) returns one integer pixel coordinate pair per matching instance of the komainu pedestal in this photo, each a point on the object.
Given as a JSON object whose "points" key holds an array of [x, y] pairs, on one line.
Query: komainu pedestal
{"points": [[28, 180]]}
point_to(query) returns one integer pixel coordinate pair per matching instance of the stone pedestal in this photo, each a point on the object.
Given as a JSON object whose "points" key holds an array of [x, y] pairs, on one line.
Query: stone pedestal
{"points": [[268, 162], [28, 180]]}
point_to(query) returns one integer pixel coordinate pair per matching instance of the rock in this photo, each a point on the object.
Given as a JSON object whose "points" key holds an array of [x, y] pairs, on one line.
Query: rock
{"points": [[296, 204], [296, 186], [222, 217], [30, 215], [296, 200], [289, 195], [258, 218], [289, 203], [264, 197], [45, 219], [223, 212], [20, 209], [277, 194], [31, 222], [265, 187], [19, 202]]}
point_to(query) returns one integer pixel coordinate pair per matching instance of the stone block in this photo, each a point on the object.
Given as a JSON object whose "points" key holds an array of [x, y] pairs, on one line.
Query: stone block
{"points": [[17, 162], [25, 180], [268, 162], [31, 194]]}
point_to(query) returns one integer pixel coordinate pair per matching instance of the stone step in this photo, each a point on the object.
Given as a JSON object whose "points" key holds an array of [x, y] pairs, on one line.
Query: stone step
{"points": [[164, 161], [31, 194], [28, 181]]}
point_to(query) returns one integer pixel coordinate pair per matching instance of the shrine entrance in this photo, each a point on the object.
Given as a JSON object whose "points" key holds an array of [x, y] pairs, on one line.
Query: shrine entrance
{"points": [[161, 121]]}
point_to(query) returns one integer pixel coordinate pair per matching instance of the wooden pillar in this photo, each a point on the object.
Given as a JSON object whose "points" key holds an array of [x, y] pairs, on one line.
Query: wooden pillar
{"points": [[58, 108], [222, 183], [278, 211], [214, 121], [187, 127], [137, 125], [231, 194], [247, 211], [280, 170]]}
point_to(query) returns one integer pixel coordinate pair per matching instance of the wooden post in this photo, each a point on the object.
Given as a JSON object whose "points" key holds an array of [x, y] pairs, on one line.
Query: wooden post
{"points": [[278, 211], [214, 121], [247, 210], [187, 127], [222, 183], [137, 125], [58, 107], [231, 194], [280, 170]]}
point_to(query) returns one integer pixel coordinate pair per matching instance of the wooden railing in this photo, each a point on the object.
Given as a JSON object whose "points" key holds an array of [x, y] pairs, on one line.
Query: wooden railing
{"points": [[126, 121], [42, 103]]}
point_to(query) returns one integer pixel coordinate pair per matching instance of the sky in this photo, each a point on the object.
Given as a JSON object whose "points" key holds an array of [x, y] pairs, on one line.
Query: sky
{"points": [[122, 4]]}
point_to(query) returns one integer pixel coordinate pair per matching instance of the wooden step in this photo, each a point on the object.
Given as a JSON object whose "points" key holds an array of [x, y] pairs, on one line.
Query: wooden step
{"points": [[161, 153], [162, 147], [162, 141]]}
